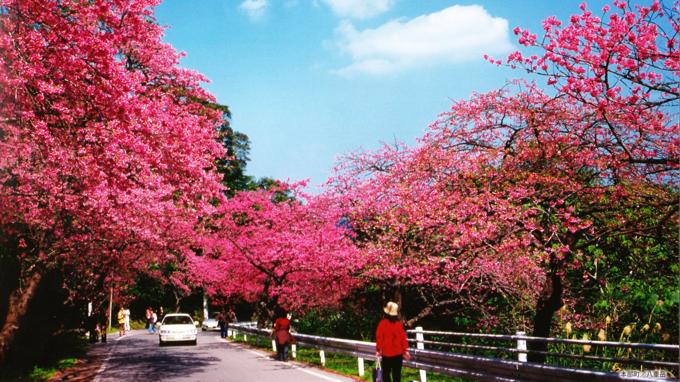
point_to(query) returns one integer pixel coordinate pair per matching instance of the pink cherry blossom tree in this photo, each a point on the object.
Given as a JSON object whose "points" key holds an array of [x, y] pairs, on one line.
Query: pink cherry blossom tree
{"points": [[503, 192], [291, 252], [106, 147], [436, 229]]}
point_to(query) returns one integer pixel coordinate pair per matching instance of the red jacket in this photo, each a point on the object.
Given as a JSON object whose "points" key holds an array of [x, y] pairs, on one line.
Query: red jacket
{"points": [[282, 323], [390, 338], [282, 331]]}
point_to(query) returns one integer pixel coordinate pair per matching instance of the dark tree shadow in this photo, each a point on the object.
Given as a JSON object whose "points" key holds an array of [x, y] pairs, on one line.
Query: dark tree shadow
{"points": [[157, 363]]}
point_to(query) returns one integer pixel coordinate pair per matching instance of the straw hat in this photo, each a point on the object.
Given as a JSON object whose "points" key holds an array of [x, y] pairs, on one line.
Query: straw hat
{"points": [[391, 309]]}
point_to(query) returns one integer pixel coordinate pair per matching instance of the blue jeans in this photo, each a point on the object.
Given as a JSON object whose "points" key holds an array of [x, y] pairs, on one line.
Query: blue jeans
{"points": [[152, 328]]}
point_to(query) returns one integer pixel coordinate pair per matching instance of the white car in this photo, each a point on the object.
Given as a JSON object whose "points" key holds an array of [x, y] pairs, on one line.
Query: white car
{"points": [[177, 327], [210, 324]]}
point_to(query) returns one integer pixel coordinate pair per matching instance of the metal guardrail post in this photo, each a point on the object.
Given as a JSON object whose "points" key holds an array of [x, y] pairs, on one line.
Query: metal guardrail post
{"points": [[420, 345], [274, 345], [322, 357], [293, 350], [360, 365], [521, 345]]}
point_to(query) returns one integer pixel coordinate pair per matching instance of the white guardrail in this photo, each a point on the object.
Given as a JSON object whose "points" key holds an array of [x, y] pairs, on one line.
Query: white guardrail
{"points": [[481, 368]]}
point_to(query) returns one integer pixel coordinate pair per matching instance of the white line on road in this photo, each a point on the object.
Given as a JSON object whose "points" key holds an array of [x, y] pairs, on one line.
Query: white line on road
{"points": [[318, 375], [129, 334], [102, 368]]}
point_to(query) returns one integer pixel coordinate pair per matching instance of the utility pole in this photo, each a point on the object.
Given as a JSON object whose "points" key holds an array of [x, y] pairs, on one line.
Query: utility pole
{"points": [[205, 307], [110, 306]]}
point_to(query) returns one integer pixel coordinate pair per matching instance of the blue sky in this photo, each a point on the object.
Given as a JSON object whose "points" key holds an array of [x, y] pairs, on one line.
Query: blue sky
{"points": [[310, 80]]}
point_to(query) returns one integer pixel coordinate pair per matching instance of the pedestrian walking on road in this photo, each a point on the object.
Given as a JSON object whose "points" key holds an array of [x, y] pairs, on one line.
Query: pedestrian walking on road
{"points": [[121, 321], [222, 323], [391, 344], [126, 312], [104, 319], [152, 321], [281, 335], [148, 317], [93, 328], [231, 319]]}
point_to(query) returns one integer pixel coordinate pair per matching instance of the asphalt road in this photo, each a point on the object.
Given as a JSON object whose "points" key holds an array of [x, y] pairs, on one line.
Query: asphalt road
{"points": [[137, 357]]}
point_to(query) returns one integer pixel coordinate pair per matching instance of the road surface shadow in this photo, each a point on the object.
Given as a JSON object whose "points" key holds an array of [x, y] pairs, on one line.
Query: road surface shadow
{"points": [[85, 369], [156, 362]]}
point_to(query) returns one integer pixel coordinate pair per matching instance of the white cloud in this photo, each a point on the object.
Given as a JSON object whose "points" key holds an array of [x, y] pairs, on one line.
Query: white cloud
{"points": [[359, 9], [254, 8], [455, 34]]}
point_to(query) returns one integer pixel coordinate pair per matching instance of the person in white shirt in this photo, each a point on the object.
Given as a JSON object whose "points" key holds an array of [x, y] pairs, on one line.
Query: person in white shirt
{"points": [[154, 319], [126, 312]]}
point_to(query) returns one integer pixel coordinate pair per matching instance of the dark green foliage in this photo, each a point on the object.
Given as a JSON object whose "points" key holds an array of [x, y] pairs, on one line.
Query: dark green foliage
{"points": [[233, 165], [631, 275], [340, 324]]}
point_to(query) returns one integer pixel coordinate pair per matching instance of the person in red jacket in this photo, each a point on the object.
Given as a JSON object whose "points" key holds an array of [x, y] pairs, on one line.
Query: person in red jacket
{"points": [[281, 334], [391, 344]]}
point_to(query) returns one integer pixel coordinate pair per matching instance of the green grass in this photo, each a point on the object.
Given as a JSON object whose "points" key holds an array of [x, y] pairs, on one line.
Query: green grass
{"points": [[137, 324], [134, 325], [43, 373], [344, 364]]}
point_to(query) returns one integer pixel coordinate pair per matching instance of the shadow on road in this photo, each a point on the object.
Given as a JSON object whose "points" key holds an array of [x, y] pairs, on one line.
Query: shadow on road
{"points": [[159, 362]]}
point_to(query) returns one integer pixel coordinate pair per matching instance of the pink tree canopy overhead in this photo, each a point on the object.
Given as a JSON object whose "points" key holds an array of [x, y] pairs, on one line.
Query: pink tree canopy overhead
{"points": [[106, 145], [430, 222], [621, 69], [291, 252], [503, 190]]}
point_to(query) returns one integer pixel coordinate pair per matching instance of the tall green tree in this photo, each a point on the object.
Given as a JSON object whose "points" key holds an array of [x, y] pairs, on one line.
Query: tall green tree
{"points": [[233, 164]]}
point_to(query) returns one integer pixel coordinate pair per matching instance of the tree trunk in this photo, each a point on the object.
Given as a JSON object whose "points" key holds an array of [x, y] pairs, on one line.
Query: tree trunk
{"points": [[19, 302], [178, 300], [549, 302], [267, 305], [398, 297]]}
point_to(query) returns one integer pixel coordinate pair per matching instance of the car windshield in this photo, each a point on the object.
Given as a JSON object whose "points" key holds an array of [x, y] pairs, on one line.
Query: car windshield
{"points": [[177, 320]]}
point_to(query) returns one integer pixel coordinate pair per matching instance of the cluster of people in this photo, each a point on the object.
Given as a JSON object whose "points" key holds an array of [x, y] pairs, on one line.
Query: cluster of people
{"points": [[96, 327], [223, 321], [390, 341], [152, 318], [390, 337], [123, 321]]}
